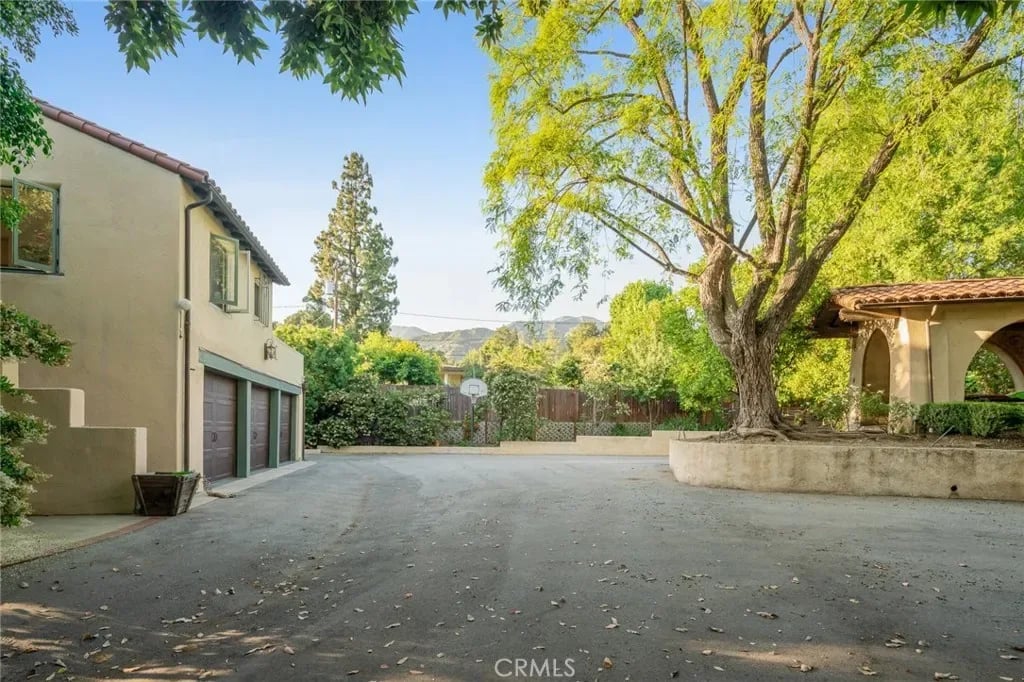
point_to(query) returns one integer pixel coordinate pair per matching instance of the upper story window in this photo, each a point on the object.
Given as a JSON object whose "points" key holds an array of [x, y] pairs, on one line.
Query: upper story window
{"points": [[223, 271], [34, 245], [261, 302]]}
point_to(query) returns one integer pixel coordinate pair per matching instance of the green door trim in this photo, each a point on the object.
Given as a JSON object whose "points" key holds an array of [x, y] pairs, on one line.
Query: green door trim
{"points": [[243, 427], [221, 364], [275, 429]]}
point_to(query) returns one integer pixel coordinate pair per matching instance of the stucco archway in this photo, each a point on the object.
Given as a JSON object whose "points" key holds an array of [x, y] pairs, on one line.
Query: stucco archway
{"points": [[877, 366], [1007, 343]]}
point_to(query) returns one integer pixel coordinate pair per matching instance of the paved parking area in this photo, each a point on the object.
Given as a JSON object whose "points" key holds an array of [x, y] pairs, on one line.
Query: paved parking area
{"points": [[453, 567]]}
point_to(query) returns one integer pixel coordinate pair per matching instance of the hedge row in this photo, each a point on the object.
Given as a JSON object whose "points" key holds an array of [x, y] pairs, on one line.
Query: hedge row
{"points": [[971, 418]]}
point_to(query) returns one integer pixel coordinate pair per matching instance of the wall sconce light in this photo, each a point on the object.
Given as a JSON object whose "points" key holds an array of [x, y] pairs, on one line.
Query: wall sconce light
{"points": [[270, 350]]}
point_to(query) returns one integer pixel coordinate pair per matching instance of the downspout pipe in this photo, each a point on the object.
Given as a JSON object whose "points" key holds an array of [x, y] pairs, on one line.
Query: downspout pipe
{"points": [[187, 351]]}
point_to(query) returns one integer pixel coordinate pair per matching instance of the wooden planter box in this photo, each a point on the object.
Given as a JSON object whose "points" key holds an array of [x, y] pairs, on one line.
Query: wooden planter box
{"points": [[164, 494]]}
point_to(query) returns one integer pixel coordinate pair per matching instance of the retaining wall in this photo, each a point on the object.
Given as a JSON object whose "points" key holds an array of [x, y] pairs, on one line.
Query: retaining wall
{"points": [[641, 446], [851, 469]]}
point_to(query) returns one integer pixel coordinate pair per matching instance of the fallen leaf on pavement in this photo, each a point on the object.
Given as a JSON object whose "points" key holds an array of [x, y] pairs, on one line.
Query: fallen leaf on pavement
{"points": [[288, 650], [864, 670], [392, 626], [612, 625], [707, 652], [945, 676], [402, 660], [767, 614], [253, 650], [607, 663], [1009, 657]]}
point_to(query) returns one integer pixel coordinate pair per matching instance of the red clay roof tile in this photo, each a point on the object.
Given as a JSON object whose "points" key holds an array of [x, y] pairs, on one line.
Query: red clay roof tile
{"points": [[875, 295]]}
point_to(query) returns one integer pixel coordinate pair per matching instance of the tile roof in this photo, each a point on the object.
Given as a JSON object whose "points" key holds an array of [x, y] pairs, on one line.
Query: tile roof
{"points": [[883, 295], [833, 318], [185, 170], [198, 180]]}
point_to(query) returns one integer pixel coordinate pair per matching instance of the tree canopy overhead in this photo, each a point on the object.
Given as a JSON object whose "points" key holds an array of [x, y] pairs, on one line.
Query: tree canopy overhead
{"points": [[718, 125]]}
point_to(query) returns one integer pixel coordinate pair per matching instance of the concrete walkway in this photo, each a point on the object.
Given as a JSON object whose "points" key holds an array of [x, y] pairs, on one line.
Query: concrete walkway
{"points": [[46, 535]]}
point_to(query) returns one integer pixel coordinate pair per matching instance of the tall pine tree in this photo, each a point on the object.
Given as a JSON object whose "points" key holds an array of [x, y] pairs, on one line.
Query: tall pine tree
{"points": [[353, 260]]}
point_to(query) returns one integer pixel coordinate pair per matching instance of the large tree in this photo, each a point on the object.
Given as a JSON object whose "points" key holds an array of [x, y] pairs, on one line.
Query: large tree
{"points": [[674, 122], [353, 258]]}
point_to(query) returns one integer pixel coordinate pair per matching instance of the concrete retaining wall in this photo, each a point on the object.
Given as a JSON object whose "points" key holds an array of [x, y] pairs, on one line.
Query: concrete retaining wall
{"points": [[641, 446], [851, 469]]}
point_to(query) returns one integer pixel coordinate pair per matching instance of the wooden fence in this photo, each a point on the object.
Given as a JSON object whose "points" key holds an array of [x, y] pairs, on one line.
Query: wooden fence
{"points": [[570, 405]]}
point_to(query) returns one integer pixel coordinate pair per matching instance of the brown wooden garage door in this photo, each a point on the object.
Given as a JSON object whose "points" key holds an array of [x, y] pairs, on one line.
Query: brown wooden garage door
{"points": [[260, 453], [286, 428], [220, 401]]}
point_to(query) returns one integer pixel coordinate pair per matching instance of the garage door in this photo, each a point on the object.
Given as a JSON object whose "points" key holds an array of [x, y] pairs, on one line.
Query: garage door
{"points": [[219, 414], [286, 427], [260, 453]]}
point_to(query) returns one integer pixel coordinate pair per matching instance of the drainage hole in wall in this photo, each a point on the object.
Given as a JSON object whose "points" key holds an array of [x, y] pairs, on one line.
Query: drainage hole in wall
{"points": [[952, 488]]}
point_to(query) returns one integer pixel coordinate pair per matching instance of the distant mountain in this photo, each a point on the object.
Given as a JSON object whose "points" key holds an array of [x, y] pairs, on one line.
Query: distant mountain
{"points": [[456, 344], [408, 333]]}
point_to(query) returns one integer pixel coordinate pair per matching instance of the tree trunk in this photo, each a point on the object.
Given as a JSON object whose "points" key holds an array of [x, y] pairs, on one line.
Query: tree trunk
{"points": [[752, 367]]}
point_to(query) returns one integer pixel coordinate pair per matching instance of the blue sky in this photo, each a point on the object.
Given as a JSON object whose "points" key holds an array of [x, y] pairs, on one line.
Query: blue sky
{"points": [[274, 144]]}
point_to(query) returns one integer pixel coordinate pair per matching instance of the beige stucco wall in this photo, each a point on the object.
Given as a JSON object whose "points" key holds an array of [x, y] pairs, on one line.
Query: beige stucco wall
{"points": [[851, 469], [236, 336], [957, 332], [89, 467], [115, 299]]}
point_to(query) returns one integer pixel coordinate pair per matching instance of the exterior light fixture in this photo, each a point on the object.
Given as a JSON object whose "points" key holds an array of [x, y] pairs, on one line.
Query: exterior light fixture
{"points": [[270, 350]]}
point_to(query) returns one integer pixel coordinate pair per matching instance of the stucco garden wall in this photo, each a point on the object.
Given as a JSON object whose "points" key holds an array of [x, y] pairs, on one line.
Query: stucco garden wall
{"points": [[851, 469], [89, 467]]}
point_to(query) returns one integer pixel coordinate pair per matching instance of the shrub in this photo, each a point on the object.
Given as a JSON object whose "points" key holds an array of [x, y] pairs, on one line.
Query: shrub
{"points": [[513, 394], [22, 337], [971, 418], [364, 413]]}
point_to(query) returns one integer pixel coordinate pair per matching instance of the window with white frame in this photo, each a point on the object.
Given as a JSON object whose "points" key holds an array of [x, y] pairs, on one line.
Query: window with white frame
{"points": [[30, 230]]}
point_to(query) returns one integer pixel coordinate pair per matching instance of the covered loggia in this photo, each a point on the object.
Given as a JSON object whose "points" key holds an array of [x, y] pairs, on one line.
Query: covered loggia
{"points": [[917, 341]]}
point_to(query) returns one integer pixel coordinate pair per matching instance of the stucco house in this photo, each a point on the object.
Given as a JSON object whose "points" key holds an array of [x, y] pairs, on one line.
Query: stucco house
{"points": [[142, 262]]}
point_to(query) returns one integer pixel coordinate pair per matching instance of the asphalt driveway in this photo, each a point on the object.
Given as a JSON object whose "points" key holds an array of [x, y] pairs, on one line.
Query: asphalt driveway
{"points": [[453, 567]]}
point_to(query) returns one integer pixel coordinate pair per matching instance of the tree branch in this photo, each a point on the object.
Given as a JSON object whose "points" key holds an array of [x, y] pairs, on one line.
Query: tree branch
{"points": [[606, 53], [665, 262], [718, 235]]}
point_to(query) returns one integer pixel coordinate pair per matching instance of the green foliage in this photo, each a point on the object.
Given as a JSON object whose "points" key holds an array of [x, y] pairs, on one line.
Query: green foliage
{"points": [[329, 355], [988, 375], [636, 346], [363, 413], [26, 337], [353, 46], [513, 395], [353, 258], [970, 12], [22, 337], [506, 350], [22, 135], [648, 130], [979, 419], [398, 361]]}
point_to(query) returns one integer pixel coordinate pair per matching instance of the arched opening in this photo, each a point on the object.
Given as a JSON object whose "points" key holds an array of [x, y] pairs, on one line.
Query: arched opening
{"points": [[997, 368], [876, 366]]}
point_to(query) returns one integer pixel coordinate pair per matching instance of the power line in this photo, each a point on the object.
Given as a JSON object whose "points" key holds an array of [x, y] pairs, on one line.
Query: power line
{"points": [[435, 317]]}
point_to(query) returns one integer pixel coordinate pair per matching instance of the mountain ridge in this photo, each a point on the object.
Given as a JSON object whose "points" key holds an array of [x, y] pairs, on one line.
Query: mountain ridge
{"points": [[456, 343]]}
